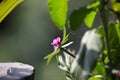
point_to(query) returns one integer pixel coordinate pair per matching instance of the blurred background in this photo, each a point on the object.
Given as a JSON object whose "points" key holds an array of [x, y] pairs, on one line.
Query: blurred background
{"points": [[26, 34]]}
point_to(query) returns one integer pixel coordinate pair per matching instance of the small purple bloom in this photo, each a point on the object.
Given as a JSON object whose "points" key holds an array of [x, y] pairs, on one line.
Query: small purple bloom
{"points": [[118, 74], [56, 42]]}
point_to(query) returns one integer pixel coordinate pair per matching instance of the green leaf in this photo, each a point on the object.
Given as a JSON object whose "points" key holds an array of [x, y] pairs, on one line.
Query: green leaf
{"points": [[94, 4], [116, 51], [89, 19], [58, 11], [6, 6], [100, 69], [51, 55], [65, 39], [117, 26], [113, 34], [77, 17], [114, 38], [93, 78], [100, 31], [86, 14], [106, 60], [116, 7], [83, 14]]}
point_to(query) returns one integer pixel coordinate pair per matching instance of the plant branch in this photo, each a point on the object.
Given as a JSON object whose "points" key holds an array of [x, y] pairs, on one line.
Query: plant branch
{"points": [[105, 16]]}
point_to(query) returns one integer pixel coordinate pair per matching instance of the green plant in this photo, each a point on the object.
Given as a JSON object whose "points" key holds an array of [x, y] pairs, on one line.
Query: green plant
{"points": [[106, 64]]}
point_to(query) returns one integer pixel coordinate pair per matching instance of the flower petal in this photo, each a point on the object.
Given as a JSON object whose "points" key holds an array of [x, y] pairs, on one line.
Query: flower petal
{"points": [[56, 42], [58, 39]]}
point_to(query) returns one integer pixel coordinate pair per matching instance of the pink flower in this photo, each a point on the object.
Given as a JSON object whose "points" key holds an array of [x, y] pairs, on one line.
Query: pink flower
{"points": [[56, 42], [118, 74]]}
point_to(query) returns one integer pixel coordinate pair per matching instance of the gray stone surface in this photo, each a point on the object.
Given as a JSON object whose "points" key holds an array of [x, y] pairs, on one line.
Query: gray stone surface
{"points": [[16, 71]]}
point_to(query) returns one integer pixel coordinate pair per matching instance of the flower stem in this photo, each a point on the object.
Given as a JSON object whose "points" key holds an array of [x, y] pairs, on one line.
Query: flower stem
{"points": [[68, 52]]}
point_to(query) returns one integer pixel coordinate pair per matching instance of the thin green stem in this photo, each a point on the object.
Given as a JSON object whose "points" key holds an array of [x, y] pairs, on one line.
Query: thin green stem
{"points": [[105, 16]]}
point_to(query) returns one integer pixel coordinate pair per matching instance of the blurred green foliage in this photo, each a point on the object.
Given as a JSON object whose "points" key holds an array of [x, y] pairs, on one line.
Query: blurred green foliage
{"points": [[26, 34], [6, 6]]}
